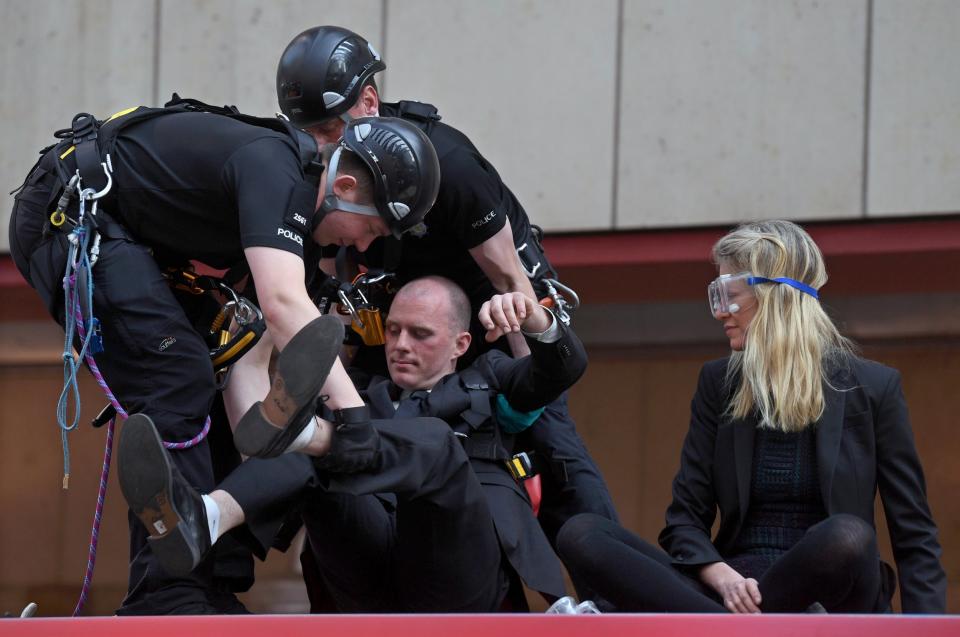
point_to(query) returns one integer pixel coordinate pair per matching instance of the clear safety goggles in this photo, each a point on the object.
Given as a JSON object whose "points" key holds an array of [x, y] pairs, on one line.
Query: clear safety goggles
{"points": [[728, 293]]}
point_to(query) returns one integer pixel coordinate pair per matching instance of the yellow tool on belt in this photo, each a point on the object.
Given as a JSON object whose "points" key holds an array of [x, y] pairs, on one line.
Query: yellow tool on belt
{"points": [[366, 318], [236, 313]]}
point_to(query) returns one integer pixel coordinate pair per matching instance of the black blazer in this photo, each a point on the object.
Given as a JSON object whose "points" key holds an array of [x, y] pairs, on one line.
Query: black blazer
{"points": [[528, 383], [864, 443]]}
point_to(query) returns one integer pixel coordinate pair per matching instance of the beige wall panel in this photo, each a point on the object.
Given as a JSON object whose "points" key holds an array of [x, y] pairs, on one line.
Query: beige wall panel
{"points": [[914, 163], [60, 58], [740, 110], [225, 51], [531, 83]]}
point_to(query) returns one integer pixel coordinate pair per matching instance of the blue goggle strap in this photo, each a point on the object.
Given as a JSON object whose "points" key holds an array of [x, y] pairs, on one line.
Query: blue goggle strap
{"points": [[803, 287]]}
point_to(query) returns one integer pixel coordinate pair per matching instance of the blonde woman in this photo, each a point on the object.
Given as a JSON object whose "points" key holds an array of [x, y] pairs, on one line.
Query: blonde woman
{"points": [[790, 438]]}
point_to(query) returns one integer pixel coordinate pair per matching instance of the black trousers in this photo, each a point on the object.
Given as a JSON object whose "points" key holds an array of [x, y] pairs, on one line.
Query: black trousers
{"points": [[836, 563], [412, 534], [153, 361], [554, 435]]}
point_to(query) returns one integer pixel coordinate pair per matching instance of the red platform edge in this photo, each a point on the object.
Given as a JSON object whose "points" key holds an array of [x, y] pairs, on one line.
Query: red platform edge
{"points": [[491, 625]]}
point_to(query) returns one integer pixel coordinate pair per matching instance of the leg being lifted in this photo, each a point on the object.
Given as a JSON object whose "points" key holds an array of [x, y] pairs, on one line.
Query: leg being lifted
{"points": [[268, 428]]}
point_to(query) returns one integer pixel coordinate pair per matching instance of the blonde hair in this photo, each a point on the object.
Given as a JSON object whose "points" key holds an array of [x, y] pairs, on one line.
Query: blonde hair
{"points": [[791, 342]]}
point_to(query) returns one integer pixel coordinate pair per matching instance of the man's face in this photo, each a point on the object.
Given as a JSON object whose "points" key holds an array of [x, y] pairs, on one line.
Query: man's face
{"points": [[330, 131], [349, 229], [422, 346], [342, 228]]}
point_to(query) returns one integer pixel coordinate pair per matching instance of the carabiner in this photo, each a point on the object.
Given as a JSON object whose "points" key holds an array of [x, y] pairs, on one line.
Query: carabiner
{"points": [[86, 194]]}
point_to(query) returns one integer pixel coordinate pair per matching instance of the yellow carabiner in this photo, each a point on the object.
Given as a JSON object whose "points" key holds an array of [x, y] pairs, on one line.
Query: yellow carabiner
{"points": [[57, 218], [369, 326]]}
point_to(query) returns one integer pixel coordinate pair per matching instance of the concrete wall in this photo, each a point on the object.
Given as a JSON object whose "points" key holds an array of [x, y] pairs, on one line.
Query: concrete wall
{"points": [[604, 115]]}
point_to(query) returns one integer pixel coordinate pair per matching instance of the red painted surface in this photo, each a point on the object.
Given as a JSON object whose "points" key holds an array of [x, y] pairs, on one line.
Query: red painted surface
{"points": [[863, 257], [661, 247], [490, 625]]}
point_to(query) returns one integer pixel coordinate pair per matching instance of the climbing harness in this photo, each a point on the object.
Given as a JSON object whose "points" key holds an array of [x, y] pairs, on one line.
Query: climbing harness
{"points": [[226, 345]]}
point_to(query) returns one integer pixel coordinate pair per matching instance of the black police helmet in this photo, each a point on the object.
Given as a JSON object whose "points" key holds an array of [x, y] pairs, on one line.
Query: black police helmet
{"points": [[321, 73], [405, 169]]}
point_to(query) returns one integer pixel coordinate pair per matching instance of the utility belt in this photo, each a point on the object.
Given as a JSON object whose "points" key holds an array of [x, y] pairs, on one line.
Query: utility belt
{"points": [[527, 464]]}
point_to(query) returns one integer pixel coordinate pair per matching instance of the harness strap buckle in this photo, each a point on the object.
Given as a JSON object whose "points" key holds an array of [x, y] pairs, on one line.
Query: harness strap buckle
{"points": [[87, 153], [521, 466]]}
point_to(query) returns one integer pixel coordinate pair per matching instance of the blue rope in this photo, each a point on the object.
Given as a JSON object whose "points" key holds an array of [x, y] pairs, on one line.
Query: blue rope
{"points": [[78, 261]]}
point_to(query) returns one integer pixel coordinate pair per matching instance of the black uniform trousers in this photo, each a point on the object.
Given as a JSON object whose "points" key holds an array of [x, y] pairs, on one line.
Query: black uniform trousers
{"points": [[153, 360], [577, 487], [414, 533]]}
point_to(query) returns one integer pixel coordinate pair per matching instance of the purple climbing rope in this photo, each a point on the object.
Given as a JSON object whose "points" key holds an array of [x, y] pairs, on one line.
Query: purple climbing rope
{"points": [[92, 364], [97, 516], [105, 471]]}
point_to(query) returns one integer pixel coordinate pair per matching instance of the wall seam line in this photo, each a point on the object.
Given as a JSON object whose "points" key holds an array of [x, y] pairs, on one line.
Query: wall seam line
{"points": [[155, 89], [617, 95], [867, 89]]}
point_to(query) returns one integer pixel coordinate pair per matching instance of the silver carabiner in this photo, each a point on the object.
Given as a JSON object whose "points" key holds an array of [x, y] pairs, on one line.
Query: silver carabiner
{"points": [[247, 313], [560, 303], [345, 301], [566, 291], [107, 170]]}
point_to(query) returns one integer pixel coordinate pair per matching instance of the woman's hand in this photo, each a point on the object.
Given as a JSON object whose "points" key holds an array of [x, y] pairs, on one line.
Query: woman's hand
{"points": [[739, 594]]}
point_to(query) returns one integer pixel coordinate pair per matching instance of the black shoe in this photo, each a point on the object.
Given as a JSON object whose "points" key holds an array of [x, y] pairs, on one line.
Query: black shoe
{"points": [[355, 443], [268, 428], [170, 509]]}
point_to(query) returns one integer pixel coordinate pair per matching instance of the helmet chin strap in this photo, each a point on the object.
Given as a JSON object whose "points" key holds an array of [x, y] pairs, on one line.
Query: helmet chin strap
{"points": [[330, 200]]}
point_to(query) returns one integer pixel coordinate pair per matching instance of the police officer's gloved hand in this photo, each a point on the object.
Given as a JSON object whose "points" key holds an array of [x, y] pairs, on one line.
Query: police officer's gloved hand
{"points": [[354, 445]]}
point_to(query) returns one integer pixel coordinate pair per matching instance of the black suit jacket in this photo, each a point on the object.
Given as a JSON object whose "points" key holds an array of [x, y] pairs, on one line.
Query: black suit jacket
{"points": [[864, 443], [527, 383]]}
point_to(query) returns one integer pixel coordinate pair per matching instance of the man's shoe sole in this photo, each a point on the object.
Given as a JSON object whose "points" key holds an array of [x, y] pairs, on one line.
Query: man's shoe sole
{"points": [[146, 480], [302, 368]]}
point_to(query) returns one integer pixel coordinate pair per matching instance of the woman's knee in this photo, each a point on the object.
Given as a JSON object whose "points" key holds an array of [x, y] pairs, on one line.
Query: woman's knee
{"points": [[848, 539], [578, 533]]}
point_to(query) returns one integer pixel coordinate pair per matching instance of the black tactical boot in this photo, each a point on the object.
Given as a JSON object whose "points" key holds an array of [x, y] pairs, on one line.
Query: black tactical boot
{"points": [[268, 428], [355, 443], [170, 509]]}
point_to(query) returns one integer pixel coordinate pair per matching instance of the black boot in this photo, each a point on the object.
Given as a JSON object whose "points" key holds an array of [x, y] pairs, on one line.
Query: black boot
{"points": [[355, 443], [268, 428], [171, 510]]}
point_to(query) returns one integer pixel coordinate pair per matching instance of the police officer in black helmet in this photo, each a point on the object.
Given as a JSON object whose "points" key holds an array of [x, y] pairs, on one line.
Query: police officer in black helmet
{"points": [[473, 234], [225, 191]]}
